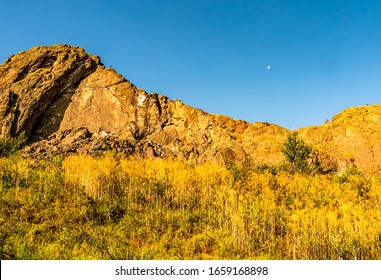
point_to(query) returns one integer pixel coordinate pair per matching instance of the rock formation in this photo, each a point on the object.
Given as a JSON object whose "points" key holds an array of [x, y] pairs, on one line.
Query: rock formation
{"points": [[353, 138], [66, 101], [36, 82]]}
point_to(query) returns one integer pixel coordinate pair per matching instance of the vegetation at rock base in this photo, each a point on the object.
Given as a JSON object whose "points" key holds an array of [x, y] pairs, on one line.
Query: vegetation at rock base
{"points": [[300, 156], [11, 145], [112, 207]]}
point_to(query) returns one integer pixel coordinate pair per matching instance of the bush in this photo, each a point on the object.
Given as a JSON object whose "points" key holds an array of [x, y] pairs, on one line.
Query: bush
{"points": [[300, 156], [272, 169], [345, 177], [10, 146]]}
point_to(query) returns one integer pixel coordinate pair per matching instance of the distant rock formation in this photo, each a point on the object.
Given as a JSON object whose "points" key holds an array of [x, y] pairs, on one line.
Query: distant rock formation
{"points": [[67, 102]]}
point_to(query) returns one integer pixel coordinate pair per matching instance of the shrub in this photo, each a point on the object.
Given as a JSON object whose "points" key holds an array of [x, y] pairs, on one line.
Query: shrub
{"points": [[300, 156], [10, 146], [272, 169], [345, 177]]}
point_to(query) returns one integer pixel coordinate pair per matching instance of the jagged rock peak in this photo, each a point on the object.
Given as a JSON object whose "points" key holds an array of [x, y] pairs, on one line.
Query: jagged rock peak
{"points": [[31, 81]]}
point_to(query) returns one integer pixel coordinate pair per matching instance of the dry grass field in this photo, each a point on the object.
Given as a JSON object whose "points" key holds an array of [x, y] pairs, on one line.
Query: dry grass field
{"points": [[111, 207]]}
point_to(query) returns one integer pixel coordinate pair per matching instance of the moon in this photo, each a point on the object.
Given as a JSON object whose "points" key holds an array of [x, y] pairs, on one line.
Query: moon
{"points": [[268, 67]]}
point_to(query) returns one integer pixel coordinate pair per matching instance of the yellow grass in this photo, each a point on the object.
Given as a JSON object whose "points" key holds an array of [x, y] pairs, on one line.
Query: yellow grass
{"points": [[112, 207]]}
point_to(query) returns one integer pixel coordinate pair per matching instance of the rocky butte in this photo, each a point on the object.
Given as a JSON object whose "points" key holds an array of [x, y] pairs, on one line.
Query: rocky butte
{"points": [[66, 101]]}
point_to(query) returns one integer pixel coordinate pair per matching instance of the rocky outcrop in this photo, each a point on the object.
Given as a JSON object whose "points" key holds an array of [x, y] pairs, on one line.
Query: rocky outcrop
{"points": [[36, 86], [67, 102], [82, 141], [105, 101], [353, 138]]}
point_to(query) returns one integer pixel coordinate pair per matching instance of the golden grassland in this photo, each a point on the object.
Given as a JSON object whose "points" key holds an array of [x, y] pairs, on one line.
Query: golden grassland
{"points": [[112, 207]]}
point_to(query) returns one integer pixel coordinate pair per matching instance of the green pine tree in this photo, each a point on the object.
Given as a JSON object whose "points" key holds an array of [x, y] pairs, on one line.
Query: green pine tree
{"points": [[300, 156]]}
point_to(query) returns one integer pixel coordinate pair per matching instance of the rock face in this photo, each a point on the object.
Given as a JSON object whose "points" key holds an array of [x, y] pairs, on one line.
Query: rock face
{"points": [[353, 138], [38, 82], [67, 102]]}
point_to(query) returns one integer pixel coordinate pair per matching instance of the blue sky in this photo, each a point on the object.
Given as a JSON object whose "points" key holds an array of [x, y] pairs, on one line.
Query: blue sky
{"points": [[324, 55]]}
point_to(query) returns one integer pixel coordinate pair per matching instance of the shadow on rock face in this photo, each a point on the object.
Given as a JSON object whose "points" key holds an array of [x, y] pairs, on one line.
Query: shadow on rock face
{"points": [[50, 121], [38, 83]]}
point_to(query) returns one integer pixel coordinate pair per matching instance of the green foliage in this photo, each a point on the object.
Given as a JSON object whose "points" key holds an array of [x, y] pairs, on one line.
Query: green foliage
{"points": [[300, 156], [346, 175], [272, 169], [358, 181], [10, 146]]}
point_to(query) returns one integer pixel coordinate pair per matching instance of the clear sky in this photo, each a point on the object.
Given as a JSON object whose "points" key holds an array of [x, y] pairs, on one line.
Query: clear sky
{"points": [[325, 55]]}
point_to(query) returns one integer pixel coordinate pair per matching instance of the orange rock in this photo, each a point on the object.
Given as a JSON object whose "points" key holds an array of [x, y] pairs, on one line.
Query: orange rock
{"points": [[67, 102]]}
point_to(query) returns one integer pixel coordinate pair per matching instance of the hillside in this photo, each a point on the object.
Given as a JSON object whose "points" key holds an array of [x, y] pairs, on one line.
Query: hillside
{"points": [[66, 196], [67, 102]]}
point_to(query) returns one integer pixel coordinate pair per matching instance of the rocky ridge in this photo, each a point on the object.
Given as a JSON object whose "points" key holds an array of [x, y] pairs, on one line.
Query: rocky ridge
{"points": [[67, 102]]}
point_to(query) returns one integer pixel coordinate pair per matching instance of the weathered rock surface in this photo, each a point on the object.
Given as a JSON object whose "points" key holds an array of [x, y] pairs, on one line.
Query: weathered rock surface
{"points": [[36, 82], [67, 102], [353, 138]]}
